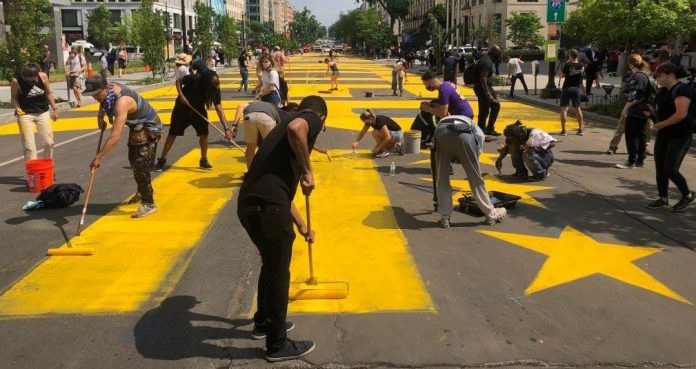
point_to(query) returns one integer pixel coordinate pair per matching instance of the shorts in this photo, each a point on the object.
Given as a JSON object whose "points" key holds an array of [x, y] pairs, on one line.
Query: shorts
{"points": [[397, 137], [122, 63], [335, 73], [255, 123], [74, 81], [183, 117], [571, 94]]}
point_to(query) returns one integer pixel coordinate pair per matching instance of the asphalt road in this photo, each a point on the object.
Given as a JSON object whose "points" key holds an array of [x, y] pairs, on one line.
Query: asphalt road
{"points": [[579, 274]]}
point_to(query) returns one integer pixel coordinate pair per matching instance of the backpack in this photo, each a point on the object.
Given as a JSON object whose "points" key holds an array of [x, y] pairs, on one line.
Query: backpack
{"points": [[691, 115], [60, 195], [652, 86], [470, 74]]}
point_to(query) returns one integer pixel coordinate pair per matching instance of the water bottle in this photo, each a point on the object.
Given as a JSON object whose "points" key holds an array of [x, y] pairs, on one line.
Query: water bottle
{"points": [[392, 169]]}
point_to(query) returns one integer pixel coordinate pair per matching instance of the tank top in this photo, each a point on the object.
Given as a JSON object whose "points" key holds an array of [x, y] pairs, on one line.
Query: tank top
{"points": [[145, 114], [32, 96], [334, 67]]}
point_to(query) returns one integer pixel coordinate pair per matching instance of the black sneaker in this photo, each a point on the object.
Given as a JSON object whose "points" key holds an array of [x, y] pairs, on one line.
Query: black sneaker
{"points": [[203, 163], [259, 331], [657, 204], [160, 164], [684, 203], [291, 350]]}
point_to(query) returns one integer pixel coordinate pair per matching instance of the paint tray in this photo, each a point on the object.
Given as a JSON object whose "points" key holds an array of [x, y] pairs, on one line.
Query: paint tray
{"points": [[499, 199]]}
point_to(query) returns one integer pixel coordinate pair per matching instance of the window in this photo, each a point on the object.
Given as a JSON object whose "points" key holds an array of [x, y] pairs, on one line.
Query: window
{"points": [[69, 18], [498, 23], [177, 20], [116, 16]]}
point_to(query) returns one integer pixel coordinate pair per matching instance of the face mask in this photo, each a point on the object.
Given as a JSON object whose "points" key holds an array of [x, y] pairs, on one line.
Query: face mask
{"points": [[429, 88], [266, 65]]}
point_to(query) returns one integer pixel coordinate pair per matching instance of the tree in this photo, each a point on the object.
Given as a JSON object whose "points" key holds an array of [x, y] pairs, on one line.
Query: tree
{"points": [[150, 34], [123, 33], [227, 35], [631, 23], [372, 30], [438, 36], [344, 29], [305, 27], [99, 27], [524, 29], [204, 28], [28, 21], [397, 9]]}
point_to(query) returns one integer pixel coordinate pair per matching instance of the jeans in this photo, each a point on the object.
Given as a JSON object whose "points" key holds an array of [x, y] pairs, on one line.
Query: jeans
{"points": [[245, 79], [635, 139], [669, 154], [487, 108], [270, 228], [516, 155], [42, 121], [538, 163], [142, 161], [513, 81]]}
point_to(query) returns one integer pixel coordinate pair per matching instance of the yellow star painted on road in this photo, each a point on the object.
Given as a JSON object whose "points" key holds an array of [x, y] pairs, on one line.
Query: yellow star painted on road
{"points": [[574, 255], [494, 183]]}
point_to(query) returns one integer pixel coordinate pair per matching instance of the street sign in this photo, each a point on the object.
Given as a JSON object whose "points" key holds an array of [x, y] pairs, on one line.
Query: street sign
{"points": [[551, 50], [555, 11]]}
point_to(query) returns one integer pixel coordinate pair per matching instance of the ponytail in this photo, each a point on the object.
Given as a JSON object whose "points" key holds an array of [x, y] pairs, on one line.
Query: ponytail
{"points": [[367, 114]]}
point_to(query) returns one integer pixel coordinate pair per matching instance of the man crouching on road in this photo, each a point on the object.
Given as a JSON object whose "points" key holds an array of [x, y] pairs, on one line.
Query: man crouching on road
{"points": [[457, 138], [267, 213], [124, 106]]}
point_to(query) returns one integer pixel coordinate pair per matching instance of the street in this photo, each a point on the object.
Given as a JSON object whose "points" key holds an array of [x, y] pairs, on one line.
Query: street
{"points": [[579, 274]]}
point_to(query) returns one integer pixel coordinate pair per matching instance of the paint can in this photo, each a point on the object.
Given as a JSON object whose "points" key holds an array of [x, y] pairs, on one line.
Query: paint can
{"points": [[412, 140]]}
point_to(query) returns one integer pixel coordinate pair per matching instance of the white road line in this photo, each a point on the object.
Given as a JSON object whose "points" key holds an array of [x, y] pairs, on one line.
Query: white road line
{"points": [[57, 145]]}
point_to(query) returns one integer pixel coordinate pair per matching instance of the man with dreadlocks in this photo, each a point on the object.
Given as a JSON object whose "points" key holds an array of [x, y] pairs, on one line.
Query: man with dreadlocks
{"points": [[529, 149], [198, 92], [124, 107]]}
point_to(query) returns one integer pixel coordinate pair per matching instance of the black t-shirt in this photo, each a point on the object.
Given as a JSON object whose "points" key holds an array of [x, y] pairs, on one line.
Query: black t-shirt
{"points": [[450, 64], [241, 60], [383, 120], [573, 75], [666, 108], [275, 173], [640, 82], [484, 67], [192, 87]]}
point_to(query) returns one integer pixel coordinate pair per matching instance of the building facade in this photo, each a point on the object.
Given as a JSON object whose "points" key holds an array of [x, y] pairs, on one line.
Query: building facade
{"points": [[283, 14], [236, 8], [398, 26], [416, 14], [465, 16], [259, 10]]}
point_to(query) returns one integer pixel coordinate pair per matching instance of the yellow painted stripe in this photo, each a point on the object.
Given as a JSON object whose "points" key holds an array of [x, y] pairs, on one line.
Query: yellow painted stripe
{"points": [[358, 241], [136, 260]]}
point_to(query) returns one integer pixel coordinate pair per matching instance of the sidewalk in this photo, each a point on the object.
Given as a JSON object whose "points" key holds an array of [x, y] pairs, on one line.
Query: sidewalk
{"points": [[60, 90]]}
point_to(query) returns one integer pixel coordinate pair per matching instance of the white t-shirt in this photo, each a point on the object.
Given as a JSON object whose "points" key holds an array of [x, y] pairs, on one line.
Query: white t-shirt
{"points": [[74, 65], [514, 65], [181, 72], [270, 78]]}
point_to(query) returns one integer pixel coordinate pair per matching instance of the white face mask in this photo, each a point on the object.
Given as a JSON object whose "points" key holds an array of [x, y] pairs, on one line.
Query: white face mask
{"points": [[266, 65]]}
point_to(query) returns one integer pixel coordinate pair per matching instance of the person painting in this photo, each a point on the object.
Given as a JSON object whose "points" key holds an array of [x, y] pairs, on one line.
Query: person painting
{"points": [[529, 149], [332, 67], [124, 107], [31, 96], [266, 211], [199, 92], [387, 134]]}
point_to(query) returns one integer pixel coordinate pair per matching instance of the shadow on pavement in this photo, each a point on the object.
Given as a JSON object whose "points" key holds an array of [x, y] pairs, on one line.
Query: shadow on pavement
{"points": [[168, 332], [20, 182], [382, 219]]}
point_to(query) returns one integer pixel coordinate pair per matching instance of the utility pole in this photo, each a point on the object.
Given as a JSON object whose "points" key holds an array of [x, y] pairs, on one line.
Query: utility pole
{"points": [[183, 26]]}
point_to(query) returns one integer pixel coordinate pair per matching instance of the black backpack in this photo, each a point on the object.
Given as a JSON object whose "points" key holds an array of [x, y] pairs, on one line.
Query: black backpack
{"points": [[470, 74], [60, 195]]}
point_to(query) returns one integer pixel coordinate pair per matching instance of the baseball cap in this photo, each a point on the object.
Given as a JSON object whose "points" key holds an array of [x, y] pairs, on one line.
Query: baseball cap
{"points": [[93, 85]]}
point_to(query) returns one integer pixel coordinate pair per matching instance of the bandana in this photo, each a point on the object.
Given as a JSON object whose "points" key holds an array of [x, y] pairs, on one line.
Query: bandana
{"points": [[109, 102]]}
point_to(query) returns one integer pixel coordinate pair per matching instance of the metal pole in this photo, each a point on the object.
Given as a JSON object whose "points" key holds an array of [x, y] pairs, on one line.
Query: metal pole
{"points": [[183, 26]]}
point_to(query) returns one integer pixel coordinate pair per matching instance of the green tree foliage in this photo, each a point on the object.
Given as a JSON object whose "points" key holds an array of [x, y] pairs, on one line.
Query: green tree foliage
{"points": [[99, 27], [421, 38], [373, 30], [438, 36], [397, 9], [524, 29], [486, 33], [28, 20], [305, 27], [204, 28], [150, 34], [345, 30], [123, 31], [227, 28], [631, 23]]}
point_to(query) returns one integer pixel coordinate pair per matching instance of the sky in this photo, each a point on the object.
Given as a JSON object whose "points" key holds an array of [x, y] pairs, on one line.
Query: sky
{"points": [[326, 11]]}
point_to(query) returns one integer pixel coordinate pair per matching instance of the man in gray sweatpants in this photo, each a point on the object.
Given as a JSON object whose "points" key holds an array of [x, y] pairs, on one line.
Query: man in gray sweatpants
{"points": [[457, 138]]}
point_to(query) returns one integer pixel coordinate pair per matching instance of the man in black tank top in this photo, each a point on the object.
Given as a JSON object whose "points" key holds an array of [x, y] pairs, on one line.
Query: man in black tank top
{"points": [[125, 107], [31, 97]]}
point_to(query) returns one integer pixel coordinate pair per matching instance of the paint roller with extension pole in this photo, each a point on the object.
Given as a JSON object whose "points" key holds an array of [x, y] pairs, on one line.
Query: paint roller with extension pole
{"points": [[78, 246], [216, 128], [312, 289]]}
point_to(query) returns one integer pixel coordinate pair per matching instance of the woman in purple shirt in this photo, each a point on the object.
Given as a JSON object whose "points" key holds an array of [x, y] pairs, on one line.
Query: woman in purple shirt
{"points": [[450, 101]]}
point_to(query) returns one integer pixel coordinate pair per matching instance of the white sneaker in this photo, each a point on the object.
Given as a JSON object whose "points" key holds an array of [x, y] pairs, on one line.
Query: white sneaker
{"points": [[144, 210], [500, 213]]}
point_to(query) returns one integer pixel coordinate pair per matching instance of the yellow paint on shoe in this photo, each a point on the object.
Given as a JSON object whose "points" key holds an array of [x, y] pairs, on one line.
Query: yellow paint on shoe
{"points": [[358, 241], [136, 260], [573, 256]]}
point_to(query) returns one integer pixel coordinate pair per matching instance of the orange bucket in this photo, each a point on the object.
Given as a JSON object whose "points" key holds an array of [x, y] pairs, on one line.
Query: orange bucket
{"points": [[39, 174]]}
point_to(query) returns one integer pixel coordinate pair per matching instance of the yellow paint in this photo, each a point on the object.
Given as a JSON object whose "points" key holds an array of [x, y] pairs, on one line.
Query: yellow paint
{"points": [[494, 183], [136, 260], [574, 255], [358, 241]]}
